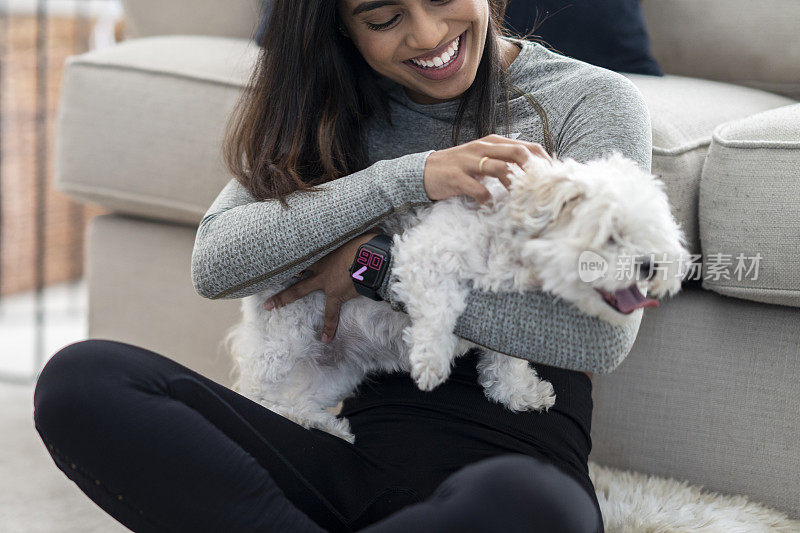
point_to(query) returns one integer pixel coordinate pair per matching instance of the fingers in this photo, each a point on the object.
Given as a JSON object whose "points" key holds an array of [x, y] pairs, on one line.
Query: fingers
{"points": [[475, 190], [294, 292], [538, 149], [512, 150], [332, 308], [497, 169], [501, 152], [505, 180], [532, 146], [301, 289]]}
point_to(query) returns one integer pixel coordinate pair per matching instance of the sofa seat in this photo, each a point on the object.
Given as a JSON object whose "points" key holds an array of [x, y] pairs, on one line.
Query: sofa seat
{"points": [[708, 394], [188, 85]]}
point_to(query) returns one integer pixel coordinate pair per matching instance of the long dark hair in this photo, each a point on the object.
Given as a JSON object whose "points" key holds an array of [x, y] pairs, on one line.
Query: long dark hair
{"points": [[299, 122]]}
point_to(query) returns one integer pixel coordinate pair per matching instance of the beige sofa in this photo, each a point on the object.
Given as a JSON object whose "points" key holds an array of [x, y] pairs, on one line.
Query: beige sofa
{"points": [[709, 392]]}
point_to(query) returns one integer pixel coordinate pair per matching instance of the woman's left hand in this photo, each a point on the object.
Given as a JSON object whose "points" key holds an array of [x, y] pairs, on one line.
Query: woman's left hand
{"points": [[331, 274]]}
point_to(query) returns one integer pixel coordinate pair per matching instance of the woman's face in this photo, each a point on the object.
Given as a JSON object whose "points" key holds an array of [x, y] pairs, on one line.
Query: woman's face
{"points": [[431, 47]]}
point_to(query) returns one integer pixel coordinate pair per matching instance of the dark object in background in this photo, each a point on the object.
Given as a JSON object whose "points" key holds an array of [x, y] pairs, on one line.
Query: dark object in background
{"points": [[608, 33], [263, 24]]}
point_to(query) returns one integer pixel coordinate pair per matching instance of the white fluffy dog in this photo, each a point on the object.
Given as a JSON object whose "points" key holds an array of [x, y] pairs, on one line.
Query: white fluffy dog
{"points": [[535, 236]]}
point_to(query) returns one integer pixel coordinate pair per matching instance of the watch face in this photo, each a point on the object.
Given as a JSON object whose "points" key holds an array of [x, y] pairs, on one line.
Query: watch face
{"points": [[367, 268]]}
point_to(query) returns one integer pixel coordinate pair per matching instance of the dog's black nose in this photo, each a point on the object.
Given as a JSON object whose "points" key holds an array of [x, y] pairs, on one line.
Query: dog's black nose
{"points": [[646, 269]]}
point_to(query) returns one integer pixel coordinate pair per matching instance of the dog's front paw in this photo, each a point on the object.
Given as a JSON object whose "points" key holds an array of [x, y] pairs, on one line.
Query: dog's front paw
{"points": [[430, 356], [428, 376], [535, 395]]}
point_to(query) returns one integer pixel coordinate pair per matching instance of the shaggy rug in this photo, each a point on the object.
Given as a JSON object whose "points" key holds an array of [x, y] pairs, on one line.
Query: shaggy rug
{"points": [[632, 502]]}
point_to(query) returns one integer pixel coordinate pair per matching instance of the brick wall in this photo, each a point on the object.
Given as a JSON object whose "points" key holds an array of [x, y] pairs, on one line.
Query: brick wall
{"points": [[64, 221]]}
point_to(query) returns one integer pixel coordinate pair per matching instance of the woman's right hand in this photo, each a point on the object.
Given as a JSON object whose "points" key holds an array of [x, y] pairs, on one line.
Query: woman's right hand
{"points": [[456, 170]]}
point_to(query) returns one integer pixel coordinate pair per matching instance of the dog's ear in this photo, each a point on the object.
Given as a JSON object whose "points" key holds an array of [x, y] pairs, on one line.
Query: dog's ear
{"points": [[541, 201]]}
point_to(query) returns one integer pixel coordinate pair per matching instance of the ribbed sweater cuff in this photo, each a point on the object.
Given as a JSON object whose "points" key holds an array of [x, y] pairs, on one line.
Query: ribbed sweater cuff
{"points": [[405, 181], [385, 288], [408, 183]]}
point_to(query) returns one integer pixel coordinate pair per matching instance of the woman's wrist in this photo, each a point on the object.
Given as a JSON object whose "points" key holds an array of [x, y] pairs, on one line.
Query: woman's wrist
{"points": [[365, 264], [385, 291]]}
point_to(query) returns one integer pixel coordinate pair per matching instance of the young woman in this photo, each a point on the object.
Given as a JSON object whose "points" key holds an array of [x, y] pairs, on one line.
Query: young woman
{"points": [[358, 109]]}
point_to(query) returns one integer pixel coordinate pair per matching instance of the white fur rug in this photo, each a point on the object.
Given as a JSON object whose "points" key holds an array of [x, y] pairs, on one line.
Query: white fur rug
{"points": [[632, 502]]}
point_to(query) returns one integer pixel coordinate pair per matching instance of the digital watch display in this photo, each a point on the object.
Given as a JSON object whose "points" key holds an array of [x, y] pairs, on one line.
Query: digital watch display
{"points": [[370, 266]]}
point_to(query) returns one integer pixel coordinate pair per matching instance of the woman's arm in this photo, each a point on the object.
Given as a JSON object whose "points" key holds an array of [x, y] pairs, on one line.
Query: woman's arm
{"points": [[242, 245], [611, 114]]}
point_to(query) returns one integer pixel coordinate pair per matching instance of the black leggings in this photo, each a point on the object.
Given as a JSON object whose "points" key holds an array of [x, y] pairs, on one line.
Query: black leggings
{"points": [[162, 448]]}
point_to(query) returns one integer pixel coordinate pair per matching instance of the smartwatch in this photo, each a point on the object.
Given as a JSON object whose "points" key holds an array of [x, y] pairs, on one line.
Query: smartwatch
{"points": [[371, 265]]}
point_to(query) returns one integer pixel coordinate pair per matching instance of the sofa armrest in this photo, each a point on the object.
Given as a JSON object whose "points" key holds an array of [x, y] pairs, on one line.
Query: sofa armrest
{"points": [[140, 124]]}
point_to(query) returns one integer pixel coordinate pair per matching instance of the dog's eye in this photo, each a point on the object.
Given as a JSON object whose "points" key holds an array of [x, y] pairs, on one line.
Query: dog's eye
{"points": [[611, 241]]}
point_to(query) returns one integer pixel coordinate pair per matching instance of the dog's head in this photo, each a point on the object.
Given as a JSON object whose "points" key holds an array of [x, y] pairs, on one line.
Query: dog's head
{"points": [[599, 234]]}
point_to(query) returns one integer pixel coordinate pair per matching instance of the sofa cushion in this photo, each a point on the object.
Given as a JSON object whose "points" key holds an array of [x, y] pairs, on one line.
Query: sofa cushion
{"points": [[684, 112], [610, 34], [749, 194]]}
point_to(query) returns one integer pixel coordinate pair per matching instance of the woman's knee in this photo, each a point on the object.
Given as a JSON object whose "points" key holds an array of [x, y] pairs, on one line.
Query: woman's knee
{"points": [[525, 492], [71, 380]]}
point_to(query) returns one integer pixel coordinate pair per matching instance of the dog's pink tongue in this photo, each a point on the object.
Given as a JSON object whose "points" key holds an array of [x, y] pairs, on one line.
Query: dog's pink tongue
{"points": [[629, 299]]}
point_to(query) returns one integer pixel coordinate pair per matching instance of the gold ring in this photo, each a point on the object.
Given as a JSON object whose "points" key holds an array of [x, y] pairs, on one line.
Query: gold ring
{"points": [[480, 165]]}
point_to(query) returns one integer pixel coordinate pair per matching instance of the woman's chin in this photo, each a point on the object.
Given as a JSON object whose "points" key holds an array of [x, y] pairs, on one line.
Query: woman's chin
{"points": [[426, 95], [448, 89]]}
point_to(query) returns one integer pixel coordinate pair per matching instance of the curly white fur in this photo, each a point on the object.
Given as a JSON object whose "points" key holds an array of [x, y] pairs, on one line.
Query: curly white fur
{"points": [[528, 238]]}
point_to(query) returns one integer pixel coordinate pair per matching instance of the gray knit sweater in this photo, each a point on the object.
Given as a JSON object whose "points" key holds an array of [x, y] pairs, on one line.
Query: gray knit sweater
{"points": [[242, 245]]}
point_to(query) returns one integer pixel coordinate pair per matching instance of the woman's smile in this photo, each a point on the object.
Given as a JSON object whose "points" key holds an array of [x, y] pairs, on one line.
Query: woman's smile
{"points": [[433, 48], [442, 62]]}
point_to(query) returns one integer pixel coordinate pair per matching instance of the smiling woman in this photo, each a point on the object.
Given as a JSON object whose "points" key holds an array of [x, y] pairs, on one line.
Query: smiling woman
{"points": [[380, 31], [303, 142], [344, 122]]}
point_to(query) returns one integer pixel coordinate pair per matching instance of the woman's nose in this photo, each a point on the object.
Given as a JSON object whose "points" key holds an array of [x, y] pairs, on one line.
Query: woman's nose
{"points": [[426, 33]]}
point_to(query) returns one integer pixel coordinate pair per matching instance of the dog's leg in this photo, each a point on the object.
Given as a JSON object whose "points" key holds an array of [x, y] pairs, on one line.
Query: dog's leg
{"points": [[432, 262], [514, 383], [305, 393], [432, 344]]}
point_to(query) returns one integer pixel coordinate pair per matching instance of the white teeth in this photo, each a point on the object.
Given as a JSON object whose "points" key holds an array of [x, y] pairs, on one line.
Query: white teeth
{"points": [[438, 62]]}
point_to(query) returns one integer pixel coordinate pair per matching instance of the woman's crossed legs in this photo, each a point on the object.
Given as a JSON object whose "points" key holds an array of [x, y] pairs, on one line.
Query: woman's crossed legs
{"points": [[162, 448]]}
